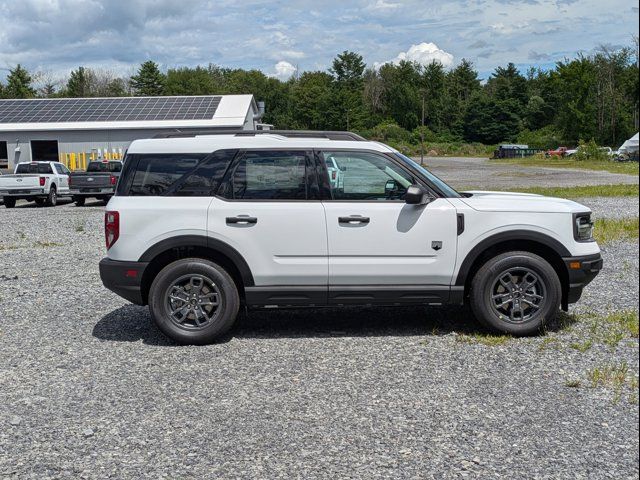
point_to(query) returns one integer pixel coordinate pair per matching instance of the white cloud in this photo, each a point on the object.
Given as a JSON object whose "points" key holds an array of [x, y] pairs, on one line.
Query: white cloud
{"points": [[283, 70], [424, 54], [383, 5]]}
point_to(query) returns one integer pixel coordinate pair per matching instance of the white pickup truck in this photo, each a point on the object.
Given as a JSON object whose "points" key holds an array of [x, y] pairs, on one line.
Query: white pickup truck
{"points": [[40, 182]]}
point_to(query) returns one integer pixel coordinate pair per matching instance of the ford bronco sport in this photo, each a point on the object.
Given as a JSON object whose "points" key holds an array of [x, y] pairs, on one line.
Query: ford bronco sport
{"points": [[202, 224]]}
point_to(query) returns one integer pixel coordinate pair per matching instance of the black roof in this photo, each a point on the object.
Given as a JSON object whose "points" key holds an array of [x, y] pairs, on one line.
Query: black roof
{"points": [[117, 109]]}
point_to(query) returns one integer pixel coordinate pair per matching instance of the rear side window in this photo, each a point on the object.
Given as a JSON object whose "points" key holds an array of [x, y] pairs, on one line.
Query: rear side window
{"points": [[181, 174], [104, 167], [268, 175], [43, 168]]}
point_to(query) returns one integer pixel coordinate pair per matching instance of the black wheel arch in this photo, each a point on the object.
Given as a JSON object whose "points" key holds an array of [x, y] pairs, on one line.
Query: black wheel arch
{"points": [[523, 240], [198, 246]]}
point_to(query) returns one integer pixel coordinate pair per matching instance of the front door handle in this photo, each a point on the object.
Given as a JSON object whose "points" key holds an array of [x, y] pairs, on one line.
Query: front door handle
{"points": [[353, 220], [241, 220]]}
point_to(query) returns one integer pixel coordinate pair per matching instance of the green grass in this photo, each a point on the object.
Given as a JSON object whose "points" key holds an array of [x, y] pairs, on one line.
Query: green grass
{"points": [[488, 340], [41, 244], [609, 329], [616, 377], [584, 191], [611, 230], [630, 168]]}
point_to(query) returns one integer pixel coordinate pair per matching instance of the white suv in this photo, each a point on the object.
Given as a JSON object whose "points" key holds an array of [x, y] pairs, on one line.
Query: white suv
{"points": [[203, 224]]}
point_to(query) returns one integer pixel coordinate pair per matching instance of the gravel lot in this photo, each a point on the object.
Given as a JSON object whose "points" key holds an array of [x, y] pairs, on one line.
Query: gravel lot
{"points": [[90, 389], [474, 172]]}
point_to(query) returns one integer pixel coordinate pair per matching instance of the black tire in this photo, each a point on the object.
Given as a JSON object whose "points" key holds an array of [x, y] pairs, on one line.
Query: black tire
{"points": [[52, 199], [40, 202], [9, 202], [79, 201], [518, 317], [214, 278]]}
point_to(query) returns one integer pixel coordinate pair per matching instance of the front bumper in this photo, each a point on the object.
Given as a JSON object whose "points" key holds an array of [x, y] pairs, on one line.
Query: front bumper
{"points": [[123, 278], [582, 270]]}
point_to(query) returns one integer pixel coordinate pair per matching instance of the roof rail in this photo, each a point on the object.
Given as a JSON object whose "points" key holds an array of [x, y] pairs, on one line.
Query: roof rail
{"points": [[330, 135]]}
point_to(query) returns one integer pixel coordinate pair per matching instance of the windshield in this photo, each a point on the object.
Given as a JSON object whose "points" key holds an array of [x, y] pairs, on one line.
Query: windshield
{"points": [[443, 187]]}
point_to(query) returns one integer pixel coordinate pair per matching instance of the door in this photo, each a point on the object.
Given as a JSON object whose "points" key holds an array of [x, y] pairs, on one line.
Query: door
{"points": [[375, 238], [268, 210], [63, 177]]}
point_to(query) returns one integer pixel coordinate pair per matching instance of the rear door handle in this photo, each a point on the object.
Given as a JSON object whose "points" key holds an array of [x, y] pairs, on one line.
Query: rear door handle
{"points": [[353, 219], [241, 220]]}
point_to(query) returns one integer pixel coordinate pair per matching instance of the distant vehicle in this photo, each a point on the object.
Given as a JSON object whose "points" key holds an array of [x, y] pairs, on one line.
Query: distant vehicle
{"points": [[40, 182], [558, 152], [99, 181], [336, 178], [515, 151], [606, 150]]}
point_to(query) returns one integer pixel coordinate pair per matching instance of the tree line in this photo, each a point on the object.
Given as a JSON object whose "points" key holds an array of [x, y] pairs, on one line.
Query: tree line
{"points": [[589, 97]]}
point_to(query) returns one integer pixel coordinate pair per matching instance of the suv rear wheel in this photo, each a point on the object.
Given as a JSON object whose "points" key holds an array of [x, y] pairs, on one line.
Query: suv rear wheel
{"points": [[193, 301], [9, 202], [516, 293]]}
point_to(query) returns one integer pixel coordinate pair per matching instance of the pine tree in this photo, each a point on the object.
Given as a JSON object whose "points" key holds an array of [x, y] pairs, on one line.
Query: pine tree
{"points": [[19, 84], [149, 81], [79, 84]]}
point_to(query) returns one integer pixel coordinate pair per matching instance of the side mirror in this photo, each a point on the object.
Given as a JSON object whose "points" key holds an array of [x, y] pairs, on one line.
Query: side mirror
{"points": [[416, 195], [342, 168]]}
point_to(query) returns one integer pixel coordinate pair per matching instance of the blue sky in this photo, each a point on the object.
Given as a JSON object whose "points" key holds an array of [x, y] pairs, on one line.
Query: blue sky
{"points": [[55, 36]]}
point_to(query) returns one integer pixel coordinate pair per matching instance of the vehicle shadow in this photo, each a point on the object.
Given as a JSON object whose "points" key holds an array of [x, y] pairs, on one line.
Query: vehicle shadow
{"points": [[131, 323]]}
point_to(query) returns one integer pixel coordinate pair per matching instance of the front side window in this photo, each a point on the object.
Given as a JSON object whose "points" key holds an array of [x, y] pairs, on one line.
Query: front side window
{"points": [[268, 175], [366, 176]]}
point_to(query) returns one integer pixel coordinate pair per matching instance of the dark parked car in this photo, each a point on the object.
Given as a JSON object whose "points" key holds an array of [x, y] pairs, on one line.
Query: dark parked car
{"points": [[99, 181]]}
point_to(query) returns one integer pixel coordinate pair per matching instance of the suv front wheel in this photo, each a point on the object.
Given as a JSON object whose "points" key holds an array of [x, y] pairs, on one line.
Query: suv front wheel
{"points": [[516, 293], [193, 301]]}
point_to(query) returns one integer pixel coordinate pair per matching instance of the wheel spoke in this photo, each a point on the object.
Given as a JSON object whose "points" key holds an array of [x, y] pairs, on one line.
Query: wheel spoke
{"points": [[531, 303], [193, 301]]}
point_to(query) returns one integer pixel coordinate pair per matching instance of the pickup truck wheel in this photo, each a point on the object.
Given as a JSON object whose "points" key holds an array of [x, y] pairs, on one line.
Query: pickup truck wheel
{"points": [[79, 201], [193, 301], [9, 202], [52, 199], [39, 202], [516, 293]]}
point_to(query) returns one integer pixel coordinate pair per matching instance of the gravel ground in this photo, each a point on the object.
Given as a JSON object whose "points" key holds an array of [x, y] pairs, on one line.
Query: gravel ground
{"points": [[473, 172], [90, 389]]}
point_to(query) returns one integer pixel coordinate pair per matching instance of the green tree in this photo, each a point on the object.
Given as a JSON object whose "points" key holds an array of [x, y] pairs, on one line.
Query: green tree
{"points": [[189, 81], [19, 84], [79, 83], [491, 121], [314, 103], [148, 81], [507, 83]]}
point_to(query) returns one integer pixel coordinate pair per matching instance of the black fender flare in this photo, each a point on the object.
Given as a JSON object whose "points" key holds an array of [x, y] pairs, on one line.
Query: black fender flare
{"points": [[205, 242], [513, 235]]}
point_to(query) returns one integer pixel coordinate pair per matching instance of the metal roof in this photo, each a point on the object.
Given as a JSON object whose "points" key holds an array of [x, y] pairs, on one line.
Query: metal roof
{"points": [[227, 111]]}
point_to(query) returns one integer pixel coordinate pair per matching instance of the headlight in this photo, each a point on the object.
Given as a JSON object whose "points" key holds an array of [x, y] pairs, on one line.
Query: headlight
{"points": [[583, 227]]}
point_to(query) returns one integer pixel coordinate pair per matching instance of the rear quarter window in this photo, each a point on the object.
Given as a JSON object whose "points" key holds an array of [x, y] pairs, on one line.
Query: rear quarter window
{"points": [[181, 174]]}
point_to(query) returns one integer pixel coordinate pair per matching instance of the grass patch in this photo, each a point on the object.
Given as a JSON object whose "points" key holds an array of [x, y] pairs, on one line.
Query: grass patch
{"points": [[41, 244], [7, 247], [609, 329], [609, 230], [630, 168], [80, 227], [573, 383], [583, 191], [484, 339], [615, 377]]}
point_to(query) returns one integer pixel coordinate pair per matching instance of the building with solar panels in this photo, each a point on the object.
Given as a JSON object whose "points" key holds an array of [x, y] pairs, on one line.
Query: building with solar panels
{"points": [[77, 130]]}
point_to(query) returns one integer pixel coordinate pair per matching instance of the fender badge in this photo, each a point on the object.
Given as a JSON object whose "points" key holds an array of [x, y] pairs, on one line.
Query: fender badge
{"points": [[436, 245]]}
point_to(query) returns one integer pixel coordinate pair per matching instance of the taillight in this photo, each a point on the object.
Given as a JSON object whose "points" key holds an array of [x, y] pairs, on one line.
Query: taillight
{"points": [[70, 180], [42, 181], [112, 179], [334, 175], [111, 228]]}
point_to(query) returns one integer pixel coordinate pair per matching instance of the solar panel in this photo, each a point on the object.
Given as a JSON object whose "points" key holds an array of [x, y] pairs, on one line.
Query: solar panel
{"points": [[124, 109]]}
